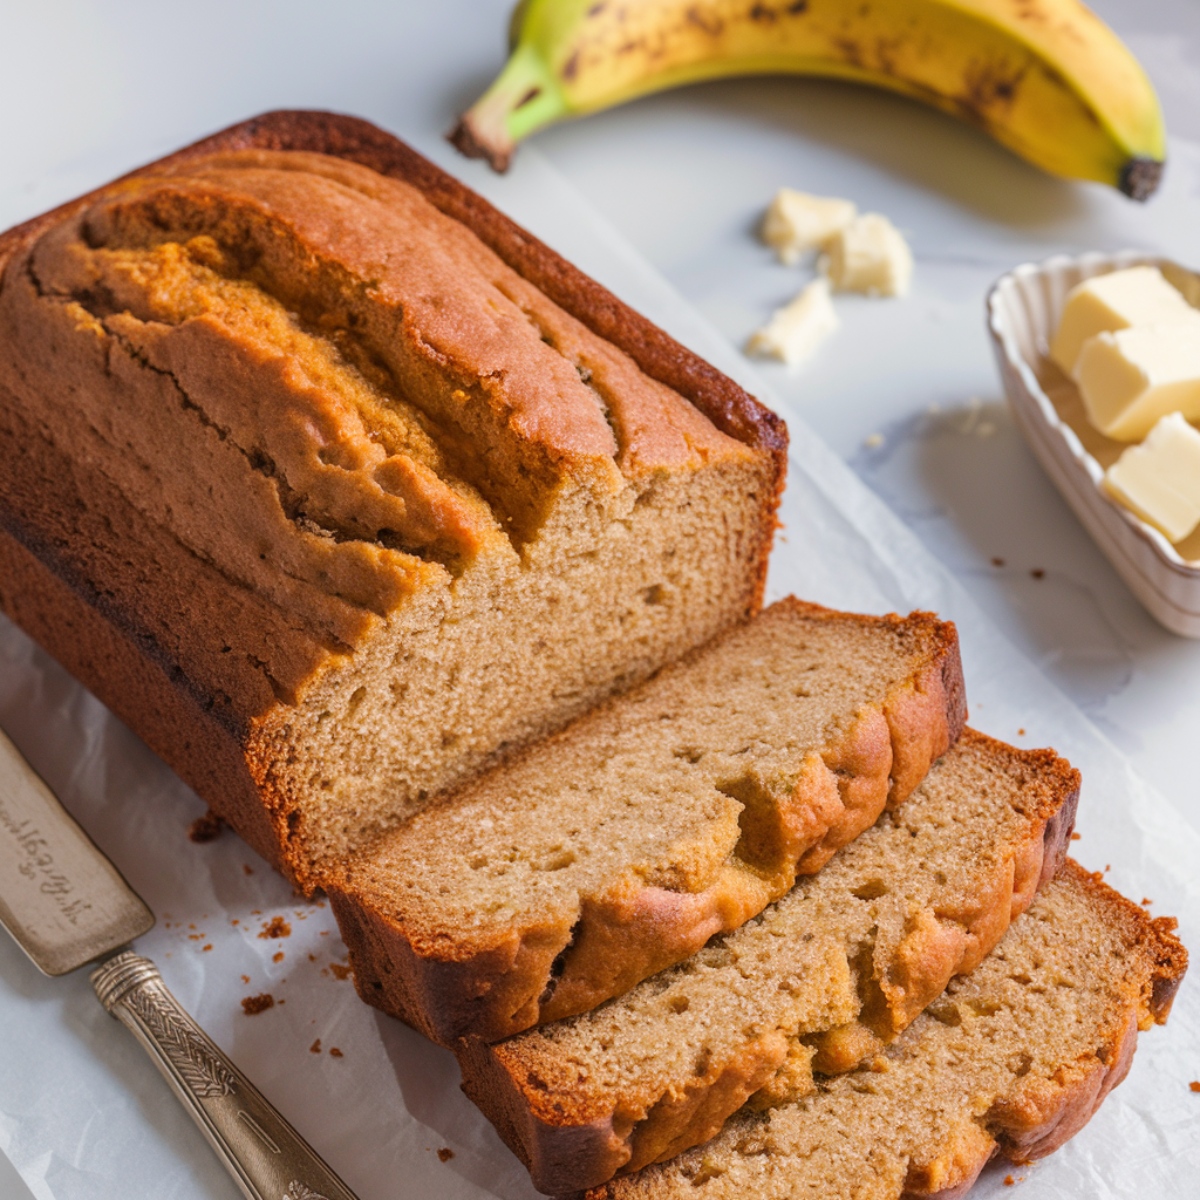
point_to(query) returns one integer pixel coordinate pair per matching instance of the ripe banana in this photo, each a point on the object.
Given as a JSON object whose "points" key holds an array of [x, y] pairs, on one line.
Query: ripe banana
{"points": [[1045, 77]]}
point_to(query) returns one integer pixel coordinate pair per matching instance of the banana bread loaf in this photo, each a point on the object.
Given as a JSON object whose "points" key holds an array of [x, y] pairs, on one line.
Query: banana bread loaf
{"points": [[671, 813], [821, 980], [1013, 1060], [336, 485]]}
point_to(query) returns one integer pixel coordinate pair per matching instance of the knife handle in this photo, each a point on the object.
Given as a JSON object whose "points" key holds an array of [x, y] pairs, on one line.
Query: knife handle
{"points": [[264, 1154]]}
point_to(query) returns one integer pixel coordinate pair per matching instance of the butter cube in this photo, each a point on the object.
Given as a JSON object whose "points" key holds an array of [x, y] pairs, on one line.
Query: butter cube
{"points": [[1118, 300], [1160, 479], [796, 222], [1130, 378], [869, 256], [796, 330]]}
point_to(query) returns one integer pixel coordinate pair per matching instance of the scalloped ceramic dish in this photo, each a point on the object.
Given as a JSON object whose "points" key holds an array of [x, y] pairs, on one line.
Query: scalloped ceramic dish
{"points": [[1023, 311]]}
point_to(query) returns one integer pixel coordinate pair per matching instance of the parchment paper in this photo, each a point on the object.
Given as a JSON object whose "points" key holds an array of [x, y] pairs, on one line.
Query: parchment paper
{"points": [[84, 1115]]}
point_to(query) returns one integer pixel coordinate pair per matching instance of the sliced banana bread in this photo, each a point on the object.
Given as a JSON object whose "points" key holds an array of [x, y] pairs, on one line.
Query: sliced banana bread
{"points": [[822, 979], [622, 844], [336, 485], [1014, 1059]]}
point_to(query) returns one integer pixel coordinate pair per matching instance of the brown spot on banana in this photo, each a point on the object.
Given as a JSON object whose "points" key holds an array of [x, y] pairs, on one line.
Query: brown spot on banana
{"points": [[708, 23], [992, 86], [886, 50], [850, 50]]}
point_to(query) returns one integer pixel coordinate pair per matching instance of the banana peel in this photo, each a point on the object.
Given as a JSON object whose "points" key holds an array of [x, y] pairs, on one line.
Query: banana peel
{"points": [[1046, 78]]}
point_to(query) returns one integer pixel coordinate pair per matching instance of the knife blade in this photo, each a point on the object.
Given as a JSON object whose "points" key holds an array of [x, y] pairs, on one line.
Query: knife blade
{"points": [[63, 902], [66, 905]]}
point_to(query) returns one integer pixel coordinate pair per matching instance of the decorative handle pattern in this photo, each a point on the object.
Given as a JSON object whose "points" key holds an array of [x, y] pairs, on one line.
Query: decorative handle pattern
{"points": [[265, 1155]]}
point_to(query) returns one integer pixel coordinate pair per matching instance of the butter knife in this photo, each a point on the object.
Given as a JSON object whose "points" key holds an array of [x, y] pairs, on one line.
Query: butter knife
{"points": [[67, 906]]}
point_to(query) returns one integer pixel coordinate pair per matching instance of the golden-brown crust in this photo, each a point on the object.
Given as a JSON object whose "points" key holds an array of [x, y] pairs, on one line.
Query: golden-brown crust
{"points": [[206, 720], [729, 407], [539, 1125], [560, 1155], [449, 987], [58, 583]]}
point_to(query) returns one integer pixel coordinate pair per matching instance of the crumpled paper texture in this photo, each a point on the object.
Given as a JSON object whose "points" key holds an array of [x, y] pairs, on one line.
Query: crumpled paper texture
{"points": [[83, 1114]]}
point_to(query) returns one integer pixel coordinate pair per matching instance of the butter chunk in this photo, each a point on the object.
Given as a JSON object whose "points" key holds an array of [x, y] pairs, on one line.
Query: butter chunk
{"points": [[869, 256], [1131, 378], [1107, 303], [796, 330], [1160, 479], [796, 222]]}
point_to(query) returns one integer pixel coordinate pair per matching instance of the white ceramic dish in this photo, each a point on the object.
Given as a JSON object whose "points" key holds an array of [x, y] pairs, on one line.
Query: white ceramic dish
{"points": [[1023, 310]]}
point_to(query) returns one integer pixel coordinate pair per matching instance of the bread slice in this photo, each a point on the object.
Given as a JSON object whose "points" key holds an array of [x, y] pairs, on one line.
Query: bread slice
{"points": [[673, 813], [1013, 1060], [823, 978], [336, 485]]}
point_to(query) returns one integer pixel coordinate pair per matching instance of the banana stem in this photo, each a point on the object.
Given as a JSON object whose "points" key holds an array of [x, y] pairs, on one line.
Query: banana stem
{"points": [[525, 96]]}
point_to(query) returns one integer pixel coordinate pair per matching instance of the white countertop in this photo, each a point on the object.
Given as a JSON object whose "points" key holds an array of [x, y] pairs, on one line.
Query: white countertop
{"points": [[89, 90]]}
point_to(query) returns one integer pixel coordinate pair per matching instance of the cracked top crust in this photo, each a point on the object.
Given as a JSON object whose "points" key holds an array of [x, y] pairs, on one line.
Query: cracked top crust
{"points": [[376, 400]]}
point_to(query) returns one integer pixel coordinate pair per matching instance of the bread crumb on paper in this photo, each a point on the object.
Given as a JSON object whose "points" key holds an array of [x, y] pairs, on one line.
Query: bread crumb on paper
{"points": [[445, 1154], [276, 927], [206, 828], [253, 1005]]}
